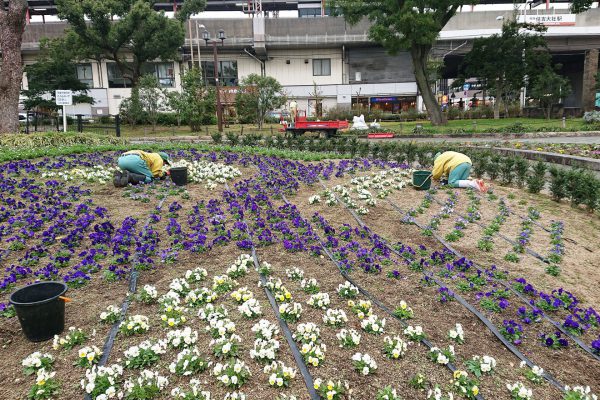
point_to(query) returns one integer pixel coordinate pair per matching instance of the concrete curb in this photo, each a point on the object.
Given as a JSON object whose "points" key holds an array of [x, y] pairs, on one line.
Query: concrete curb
{"points": [[466, 136], [555, 158]]}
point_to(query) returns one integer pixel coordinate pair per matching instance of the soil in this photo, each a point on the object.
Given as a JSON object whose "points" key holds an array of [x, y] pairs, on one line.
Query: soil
{"points": [[578, 276]]}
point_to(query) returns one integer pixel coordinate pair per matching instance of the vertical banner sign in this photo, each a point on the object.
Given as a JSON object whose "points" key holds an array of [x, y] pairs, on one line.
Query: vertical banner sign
{"points": [[64, 98]]}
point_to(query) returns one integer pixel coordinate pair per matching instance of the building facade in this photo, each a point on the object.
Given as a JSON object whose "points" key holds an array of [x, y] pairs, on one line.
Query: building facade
{"points": [[322, 58]]}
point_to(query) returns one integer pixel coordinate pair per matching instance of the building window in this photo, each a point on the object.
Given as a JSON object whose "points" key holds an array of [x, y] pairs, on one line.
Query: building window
{"points": [[228, 73], [313, 12], [84, 74], [309, 12], [322, 67], [115, 78], [164, 72]]}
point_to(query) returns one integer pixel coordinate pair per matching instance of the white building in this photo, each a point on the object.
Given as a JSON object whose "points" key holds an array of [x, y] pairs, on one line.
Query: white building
{"points": [[329, 57]]}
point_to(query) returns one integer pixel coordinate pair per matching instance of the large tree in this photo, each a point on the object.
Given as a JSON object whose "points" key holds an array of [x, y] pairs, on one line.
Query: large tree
{"points": [[55, 69], [505, 61], [257, 96], [127, 32], [548, 88], [12, 24], [579, 6], [413, 25]]}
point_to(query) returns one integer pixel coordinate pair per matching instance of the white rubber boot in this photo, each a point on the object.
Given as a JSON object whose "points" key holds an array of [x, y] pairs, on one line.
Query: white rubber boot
{"points": [[468, 184]]}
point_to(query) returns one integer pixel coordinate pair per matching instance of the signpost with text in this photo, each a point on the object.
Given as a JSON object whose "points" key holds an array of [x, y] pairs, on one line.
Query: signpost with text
{"points": [[64, 98]]}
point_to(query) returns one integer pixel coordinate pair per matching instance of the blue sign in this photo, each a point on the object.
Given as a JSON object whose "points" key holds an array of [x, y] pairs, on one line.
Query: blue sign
{"points": [[383, 99], [466, 86]]}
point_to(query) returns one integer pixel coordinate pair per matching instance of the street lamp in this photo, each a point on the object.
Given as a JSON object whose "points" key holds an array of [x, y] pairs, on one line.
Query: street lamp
{"points": [[199, 28], [221, 37]]}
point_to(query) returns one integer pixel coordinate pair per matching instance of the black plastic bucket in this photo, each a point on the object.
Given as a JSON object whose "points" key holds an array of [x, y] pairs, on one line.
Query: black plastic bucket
{"points": [[179, 175], [40, 311]]}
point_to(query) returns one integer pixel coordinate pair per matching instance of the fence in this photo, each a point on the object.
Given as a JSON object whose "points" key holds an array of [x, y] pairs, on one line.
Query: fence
{"points": [[35, 121]]}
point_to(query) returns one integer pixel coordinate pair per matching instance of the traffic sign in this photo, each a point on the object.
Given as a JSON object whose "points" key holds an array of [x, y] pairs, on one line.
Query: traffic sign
{"points": [[64, 98]]}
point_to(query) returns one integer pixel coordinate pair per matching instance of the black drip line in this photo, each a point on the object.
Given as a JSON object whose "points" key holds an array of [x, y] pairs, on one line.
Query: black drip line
{"points": [[306, 375], [558, 326], [463, 302], [110, 339]]}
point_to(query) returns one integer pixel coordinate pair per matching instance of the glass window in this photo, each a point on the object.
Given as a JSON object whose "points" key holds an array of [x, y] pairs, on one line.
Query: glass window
{"points": [[309, 12], [164, 72], [115, 78], [228, 74], [84, 74], [321, 67]]}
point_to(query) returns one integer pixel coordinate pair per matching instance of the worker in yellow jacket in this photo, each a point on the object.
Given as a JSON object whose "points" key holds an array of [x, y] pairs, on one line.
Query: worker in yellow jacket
{"points": [[139, 166], [456, 167]]}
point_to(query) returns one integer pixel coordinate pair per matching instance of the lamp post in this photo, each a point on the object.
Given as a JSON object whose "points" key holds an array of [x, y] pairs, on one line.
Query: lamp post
{"points": [[199, 28], [221, 37]]}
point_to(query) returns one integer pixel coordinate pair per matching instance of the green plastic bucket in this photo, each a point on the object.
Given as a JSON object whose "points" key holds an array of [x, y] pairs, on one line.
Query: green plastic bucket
{"points": [[422, 180]]}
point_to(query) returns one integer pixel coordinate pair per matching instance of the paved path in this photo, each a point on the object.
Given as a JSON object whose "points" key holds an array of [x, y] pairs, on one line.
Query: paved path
{"points": [[556, 139]]}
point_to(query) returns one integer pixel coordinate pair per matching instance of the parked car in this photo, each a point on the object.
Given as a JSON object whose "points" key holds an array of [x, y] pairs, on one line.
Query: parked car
{"points": [[23, 118]]}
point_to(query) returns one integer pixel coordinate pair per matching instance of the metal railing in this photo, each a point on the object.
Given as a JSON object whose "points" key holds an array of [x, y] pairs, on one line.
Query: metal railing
{"points": [[36, 121]]}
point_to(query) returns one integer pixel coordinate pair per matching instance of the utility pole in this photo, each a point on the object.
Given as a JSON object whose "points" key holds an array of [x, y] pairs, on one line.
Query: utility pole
{"points": [[220, 36]]}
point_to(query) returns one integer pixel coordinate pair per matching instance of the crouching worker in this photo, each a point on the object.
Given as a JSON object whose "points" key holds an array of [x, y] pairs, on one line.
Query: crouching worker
{"points": [[140, 167], [456, 167]]}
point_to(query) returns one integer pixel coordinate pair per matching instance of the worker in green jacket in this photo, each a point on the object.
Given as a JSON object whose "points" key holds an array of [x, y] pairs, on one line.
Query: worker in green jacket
{"points": [[140, 167], [456, 167]]}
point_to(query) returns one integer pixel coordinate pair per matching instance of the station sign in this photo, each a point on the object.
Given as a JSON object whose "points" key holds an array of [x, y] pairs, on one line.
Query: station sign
{"points": [[549, 19]]}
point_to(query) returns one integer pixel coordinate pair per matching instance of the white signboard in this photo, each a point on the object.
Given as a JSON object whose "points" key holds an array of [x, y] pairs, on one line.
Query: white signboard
{"points": [[549, 20], [64, 98]]}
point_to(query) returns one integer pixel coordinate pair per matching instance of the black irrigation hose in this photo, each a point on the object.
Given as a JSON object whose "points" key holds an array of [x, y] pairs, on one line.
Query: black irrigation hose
{"points": [[306, 375], [527, 249], [112, 334], [375, 301], [469, 307], [557, 325]]}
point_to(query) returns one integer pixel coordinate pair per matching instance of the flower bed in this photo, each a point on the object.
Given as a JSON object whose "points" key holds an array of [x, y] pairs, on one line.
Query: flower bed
{"points": [[200, 324]]}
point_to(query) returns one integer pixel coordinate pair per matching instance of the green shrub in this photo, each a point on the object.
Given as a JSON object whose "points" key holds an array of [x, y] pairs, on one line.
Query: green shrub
{"points": [[558, 183], [364, 149], [280, 141], [536, 178], [493, 168], [353, 146], [217, 137], [591, 117], [269, 142], [582, 188], [521, 170], [234, 138], [342, 145], [339, 113], [251, 139], [106, 119], [575, 186], [480, 164], [166, 119], [507, 170], [56, 139], [592, 192]]}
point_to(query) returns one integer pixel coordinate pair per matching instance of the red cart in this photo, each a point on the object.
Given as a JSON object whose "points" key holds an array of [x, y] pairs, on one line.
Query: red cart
{"points": [[302, 125]]}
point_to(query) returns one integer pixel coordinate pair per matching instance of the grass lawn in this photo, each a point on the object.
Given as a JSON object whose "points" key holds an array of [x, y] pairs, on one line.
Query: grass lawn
{"points": [[484, 125], [463, 126]]}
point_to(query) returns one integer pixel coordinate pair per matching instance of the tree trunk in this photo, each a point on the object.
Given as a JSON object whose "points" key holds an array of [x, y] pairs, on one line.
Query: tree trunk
{"points": [[12, 24], [498, 96], [419, 58]]}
